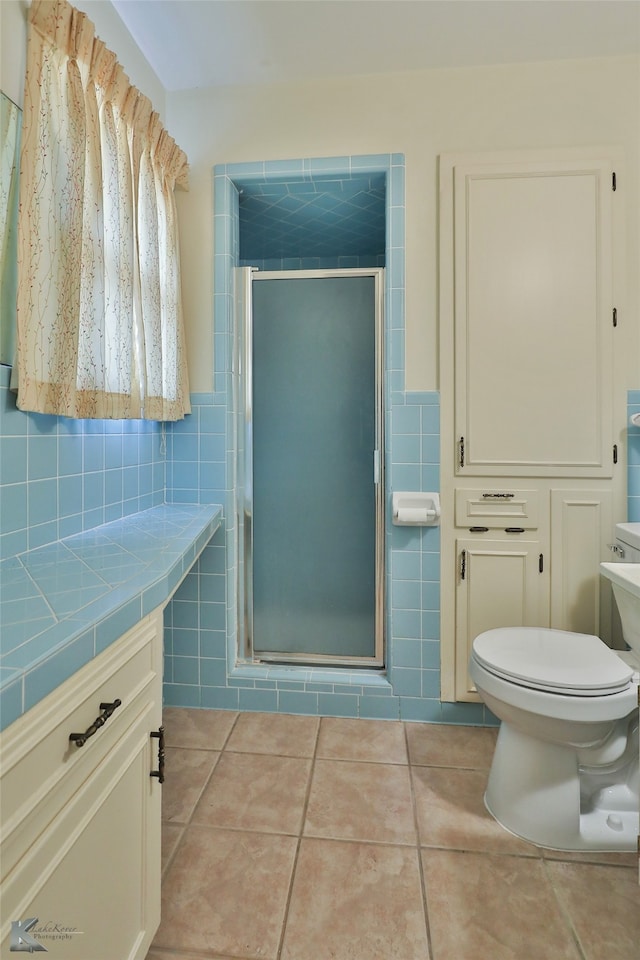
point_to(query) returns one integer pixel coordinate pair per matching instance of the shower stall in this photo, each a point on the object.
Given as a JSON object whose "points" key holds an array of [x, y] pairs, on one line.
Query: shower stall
{"points": [[308, 385]]}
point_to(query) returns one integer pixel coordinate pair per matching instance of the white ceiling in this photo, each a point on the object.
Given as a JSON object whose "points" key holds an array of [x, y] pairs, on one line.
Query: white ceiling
{"points": [[205, 43]]}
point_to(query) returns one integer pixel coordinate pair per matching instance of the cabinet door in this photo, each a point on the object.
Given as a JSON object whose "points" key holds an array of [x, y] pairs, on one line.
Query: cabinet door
{"points": [[499, 585], [92, 880], [533, 318], [581, 527]]}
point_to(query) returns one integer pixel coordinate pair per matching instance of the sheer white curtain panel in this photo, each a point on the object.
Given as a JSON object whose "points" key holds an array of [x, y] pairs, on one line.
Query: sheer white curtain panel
{"points": [[100, 327]]}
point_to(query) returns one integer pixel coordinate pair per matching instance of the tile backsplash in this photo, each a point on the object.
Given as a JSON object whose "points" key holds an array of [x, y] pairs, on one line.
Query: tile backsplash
{"points": [[60, 476]]}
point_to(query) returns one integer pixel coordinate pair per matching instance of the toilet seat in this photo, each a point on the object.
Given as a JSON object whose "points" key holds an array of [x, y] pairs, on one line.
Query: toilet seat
{"points": [[555, 661]]}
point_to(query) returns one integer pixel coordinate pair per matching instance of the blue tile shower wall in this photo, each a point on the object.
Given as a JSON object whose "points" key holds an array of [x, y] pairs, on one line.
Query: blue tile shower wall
{"points": [[315, 263], [201, 622], [60, 476]]}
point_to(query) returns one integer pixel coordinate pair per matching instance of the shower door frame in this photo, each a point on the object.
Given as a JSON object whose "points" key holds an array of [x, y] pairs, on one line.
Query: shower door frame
{"points": [[242, 368]]}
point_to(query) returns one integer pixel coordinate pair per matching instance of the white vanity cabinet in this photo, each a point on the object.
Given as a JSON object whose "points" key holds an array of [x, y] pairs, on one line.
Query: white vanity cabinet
{"points": [[80, 838]]}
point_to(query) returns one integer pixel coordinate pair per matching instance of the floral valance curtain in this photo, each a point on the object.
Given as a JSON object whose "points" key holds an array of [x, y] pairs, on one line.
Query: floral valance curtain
{"points": [[100, 331]]}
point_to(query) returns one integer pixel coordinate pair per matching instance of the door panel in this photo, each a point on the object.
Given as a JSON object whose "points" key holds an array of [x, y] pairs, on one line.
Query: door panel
{"points": [[499, 586], [314, 500], [533, 323]]}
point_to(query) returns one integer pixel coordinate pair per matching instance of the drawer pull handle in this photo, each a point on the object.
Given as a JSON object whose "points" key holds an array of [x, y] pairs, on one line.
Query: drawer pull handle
{"points": [[107, 709], [478, 529], [498, 496], [514, 529], [159, 773]]}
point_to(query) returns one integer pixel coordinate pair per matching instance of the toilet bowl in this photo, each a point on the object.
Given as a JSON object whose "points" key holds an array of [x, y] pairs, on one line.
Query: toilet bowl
{"points": [[565, 769]]}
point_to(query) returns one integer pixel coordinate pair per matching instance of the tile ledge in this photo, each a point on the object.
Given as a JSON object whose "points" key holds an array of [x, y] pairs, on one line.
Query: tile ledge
{"points": [[347, 676], [182, 532]]}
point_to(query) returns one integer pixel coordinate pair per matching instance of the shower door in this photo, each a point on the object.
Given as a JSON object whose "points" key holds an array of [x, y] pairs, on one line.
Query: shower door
{"points": [[310, 451]]}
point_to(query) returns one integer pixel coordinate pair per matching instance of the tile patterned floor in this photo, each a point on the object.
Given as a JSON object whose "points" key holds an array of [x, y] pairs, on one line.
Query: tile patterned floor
{"points": [[298, 838]]}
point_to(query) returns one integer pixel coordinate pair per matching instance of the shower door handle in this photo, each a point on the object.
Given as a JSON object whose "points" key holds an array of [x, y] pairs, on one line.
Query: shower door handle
{"points": [[376, 467]]}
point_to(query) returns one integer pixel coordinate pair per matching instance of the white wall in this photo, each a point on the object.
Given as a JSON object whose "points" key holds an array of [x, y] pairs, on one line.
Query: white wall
{"points": [[109, 27], [422, 114]]}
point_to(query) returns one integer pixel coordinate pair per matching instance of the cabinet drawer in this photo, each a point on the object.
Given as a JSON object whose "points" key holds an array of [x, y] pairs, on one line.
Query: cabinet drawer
{"points": [[496, 507], [41, 767]]}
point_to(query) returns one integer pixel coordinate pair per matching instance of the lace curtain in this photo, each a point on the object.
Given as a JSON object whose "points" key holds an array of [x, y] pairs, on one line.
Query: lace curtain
{"points": [[100, 331]]}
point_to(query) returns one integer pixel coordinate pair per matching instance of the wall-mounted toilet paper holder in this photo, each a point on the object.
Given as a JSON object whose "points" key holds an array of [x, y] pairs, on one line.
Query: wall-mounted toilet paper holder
{"points": [[416, 509]]}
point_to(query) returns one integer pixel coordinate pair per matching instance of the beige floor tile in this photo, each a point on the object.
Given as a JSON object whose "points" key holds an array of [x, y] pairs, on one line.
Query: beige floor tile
{"points": [[355, 901], [172, 955], [203, 729], [255, 792], [603, 903], [360, 801], [379, 741], [186, 773], [451, 813], [448, 745], [171, 834], [282, 734], [226, 892], [613, 859], [482, 907]]}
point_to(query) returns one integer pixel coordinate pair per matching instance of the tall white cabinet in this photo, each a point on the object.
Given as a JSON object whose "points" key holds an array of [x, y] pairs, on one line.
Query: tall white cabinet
{"points": [[531, 466]]}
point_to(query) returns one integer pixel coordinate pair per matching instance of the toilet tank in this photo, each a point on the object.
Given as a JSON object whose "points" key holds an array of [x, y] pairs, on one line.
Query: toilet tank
{"points": [[627, 545]]}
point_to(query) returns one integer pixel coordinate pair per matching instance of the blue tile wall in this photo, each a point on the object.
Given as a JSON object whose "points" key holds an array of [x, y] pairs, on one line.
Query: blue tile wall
{"points": [[315, 263], [60, 476], [201, 623], [312, 214]]}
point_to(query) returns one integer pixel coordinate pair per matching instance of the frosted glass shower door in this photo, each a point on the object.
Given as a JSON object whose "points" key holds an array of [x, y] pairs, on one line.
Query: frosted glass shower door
{"points": [[315, 435]]}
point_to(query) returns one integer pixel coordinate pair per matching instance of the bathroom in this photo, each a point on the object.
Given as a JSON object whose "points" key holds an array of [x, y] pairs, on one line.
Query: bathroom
{"points": [[49, 466]]}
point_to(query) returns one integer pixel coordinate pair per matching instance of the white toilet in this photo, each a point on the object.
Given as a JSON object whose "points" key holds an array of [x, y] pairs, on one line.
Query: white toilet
{"points": [[565, 771]]}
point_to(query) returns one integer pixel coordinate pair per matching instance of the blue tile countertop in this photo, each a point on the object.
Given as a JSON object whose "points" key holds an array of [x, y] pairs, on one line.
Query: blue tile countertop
{"points": [[62, 604]]}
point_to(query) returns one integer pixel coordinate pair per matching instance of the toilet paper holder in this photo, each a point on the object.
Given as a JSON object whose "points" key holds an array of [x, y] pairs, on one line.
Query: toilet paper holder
{"points": [[416, 509]]}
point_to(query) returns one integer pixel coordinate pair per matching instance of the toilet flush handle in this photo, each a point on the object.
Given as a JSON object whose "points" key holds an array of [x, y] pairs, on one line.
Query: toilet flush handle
{"points": [[617, 550]]}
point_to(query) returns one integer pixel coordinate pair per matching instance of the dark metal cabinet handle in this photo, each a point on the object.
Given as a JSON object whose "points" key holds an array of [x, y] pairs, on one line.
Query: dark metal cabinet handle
{"points": [[159, 736], [107, 709]]}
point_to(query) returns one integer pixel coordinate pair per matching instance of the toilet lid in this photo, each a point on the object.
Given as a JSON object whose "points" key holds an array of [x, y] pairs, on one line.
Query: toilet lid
{"points": [[576, 664]]}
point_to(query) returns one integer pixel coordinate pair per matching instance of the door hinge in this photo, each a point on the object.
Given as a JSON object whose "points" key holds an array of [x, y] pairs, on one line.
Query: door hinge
{"points": [[615, 453], [540, 563], [463, 564], [461, 459], [615, 316], [613, 180]]}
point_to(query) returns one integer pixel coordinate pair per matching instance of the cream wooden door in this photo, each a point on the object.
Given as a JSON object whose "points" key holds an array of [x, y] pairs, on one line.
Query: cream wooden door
{"points": [[92, 878], [533, 318], [500, 584]]}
